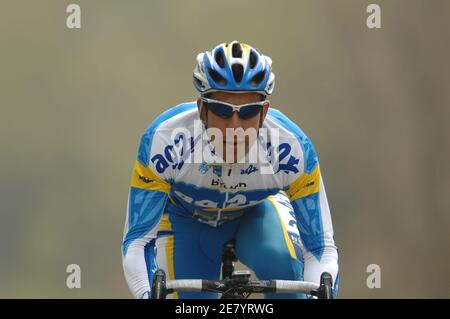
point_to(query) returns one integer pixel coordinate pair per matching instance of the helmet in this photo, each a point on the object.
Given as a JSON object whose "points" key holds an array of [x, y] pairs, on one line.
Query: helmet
{"points": [[234, 67]]}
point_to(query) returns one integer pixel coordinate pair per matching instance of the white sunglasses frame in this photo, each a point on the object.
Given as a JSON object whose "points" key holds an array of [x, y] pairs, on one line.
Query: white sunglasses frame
{"points": [[233, 106]]}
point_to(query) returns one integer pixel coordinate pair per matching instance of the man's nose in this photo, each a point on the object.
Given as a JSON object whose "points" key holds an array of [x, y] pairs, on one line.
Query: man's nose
{"points": [[234, 121]]}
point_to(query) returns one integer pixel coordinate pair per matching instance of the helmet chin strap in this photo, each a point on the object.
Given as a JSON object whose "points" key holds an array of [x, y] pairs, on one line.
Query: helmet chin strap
{"points": [[260, 120], [206, 115]]}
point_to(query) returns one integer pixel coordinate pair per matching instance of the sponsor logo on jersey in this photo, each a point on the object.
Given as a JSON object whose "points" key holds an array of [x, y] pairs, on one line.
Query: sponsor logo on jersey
{"points": [[217, 170], [219, 184], [310, 184], [145, 179], [249, 170], [280, 159], [174, 154], [212, 218], [204, 168]]}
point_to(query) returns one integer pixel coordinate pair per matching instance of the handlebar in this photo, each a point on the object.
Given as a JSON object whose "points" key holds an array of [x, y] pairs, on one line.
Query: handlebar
{"points": [[161, 287], [257, 286]]}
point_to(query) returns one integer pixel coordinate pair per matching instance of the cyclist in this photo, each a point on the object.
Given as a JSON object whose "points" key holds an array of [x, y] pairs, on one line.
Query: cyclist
{"points": [[181, 211]]}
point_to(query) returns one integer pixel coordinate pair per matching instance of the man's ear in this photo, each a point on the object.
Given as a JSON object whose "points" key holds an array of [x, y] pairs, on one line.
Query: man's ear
{"points": [[266, 109]]}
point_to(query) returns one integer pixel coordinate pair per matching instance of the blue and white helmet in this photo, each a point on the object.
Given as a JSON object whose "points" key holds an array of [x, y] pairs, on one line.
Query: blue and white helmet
{"points": [[234, 67]]}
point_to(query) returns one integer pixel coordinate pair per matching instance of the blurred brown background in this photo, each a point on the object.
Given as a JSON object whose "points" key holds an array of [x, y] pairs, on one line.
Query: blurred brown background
{"points": [[74, 103]]}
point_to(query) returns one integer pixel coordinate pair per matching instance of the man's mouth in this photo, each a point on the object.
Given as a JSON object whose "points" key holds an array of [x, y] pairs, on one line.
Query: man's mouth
{"points": [[234, 142]]}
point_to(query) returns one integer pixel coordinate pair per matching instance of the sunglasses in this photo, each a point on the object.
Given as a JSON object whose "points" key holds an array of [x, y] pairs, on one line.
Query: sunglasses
{"points": [[225, 110]]}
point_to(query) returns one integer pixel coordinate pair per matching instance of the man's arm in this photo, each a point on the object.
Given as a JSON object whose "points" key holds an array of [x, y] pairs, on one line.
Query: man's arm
{"points": [[309, 200], [146, 202]]}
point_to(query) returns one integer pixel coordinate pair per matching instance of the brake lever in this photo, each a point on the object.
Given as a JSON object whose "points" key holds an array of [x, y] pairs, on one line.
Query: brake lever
{"points": [[325, 290]]}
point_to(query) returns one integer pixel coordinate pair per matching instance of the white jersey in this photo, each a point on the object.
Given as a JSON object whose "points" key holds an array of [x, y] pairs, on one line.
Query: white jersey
{"points": [[171, 166]]}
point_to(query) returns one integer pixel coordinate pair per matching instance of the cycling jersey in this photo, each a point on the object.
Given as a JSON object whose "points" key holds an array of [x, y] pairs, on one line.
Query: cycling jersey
{"points": [[214, 193]]}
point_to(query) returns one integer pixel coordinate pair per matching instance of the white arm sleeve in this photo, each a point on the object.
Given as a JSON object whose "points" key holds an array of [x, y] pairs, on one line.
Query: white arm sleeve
{"points": [[135, 259], [328, 261], [135, 268]]}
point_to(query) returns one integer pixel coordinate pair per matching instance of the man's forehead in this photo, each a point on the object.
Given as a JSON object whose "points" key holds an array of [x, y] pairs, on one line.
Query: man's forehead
{"points": [[229, 95]]}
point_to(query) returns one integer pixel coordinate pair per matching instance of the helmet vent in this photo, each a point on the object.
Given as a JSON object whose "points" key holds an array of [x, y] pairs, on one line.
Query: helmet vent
{"points": [[257, 79], [238, 72], [217, 77], [253, 59], [220, 59], [199, 83], [236, 50]]}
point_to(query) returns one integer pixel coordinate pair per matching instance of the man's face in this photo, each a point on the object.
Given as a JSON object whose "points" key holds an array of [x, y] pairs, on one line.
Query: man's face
{"points": [[231, 144]]}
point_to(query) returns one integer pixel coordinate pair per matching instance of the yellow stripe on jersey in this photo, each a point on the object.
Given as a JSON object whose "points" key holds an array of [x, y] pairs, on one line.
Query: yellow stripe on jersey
{"points": [[170, 263], [165, 223], [144, 178], [214, 209], [287, 239], [305, 185]]}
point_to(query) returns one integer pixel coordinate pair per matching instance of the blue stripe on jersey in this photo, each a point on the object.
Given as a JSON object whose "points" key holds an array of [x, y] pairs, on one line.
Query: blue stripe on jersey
{"points": [[147, 138], [193, 195], [310, 155], [309, 223], [145, 210]]}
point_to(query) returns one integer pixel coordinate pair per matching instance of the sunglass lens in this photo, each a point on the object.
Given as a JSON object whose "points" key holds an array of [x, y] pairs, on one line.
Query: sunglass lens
{"points": [[247, 112], [224, 111]]}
